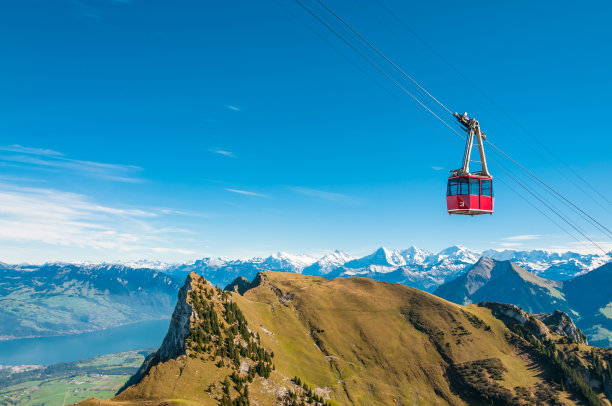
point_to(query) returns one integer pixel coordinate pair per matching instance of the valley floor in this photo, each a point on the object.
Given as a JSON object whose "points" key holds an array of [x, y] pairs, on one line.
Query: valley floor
{"points": [[69, 383]]}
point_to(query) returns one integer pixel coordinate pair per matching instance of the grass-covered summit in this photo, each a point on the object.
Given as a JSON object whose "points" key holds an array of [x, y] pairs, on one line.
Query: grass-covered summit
{"points": [[292, 339]]}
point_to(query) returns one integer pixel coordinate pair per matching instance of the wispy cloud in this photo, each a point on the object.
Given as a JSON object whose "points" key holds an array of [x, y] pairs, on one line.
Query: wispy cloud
{"points": [[325, 195], [30, 151], [223, 152], [510, 244], [437, 168], [41, 158], [522, 237], [57, 218], [554, 243], [233, 108], [245, 192], [583, 247]]}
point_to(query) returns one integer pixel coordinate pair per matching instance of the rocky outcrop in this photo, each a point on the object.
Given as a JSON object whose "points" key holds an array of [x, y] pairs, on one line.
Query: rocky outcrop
{"points": [[560, 323], [174, 344], [540, 325], [510, 314], [239, 285]]}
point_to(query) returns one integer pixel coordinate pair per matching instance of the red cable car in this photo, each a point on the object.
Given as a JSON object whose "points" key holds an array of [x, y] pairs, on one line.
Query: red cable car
{"points": [[470, 193]]}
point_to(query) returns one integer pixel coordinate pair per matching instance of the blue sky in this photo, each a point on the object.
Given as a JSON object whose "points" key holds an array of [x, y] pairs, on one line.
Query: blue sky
{"points": [[174, 130]]}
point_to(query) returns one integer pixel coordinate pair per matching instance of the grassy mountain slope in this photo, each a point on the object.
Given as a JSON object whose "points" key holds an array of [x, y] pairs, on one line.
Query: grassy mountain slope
{"points": [[344, 339]]}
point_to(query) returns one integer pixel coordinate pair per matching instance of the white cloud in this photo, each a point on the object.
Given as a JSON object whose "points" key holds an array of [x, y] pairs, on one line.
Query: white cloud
{"points": [[245, 192], [554, 243], [222, 152], [47, 159], [583, 247], [522, 237], [34, 216], [324, 195], [234, 108], [173, 250], [29, 150], [510, 244], [437, 168]]}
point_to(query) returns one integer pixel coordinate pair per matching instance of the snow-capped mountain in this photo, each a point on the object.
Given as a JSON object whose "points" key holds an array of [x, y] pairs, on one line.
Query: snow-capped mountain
{"points": [[328, 263], [151, 286], [414, 255], [552, 265], [283, 261], [412, 266], [382, 257]]}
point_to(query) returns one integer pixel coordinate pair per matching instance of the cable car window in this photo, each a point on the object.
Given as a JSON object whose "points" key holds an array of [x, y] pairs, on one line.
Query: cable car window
{"points": [[463, 188], [474, 186], [451, 190], [487, 188]]}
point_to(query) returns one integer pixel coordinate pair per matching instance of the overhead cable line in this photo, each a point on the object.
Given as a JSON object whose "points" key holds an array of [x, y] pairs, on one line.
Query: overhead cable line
{"points": [[542, 200], [496, 105], [374, 64], [549, 207], [381, 54], [542, 212], [366, 54], [372, 54], [602, 227]]}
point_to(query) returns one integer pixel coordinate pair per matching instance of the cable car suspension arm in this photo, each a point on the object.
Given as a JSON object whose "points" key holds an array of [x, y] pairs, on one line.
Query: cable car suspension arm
{"points": [[472, 127]]}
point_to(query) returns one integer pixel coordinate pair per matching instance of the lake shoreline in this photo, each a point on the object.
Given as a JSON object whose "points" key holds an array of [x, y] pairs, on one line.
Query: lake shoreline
{"points": [[11, 338], [49, 350]]}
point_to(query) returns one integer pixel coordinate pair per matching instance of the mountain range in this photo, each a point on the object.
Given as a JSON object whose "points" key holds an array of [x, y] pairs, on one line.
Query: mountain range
{"points": [[64, 298], [587, 297], [55, 299], [412, 266]]}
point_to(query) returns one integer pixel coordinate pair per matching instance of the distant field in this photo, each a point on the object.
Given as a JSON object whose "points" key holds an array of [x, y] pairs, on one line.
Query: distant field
{"points": [[71, 382]]}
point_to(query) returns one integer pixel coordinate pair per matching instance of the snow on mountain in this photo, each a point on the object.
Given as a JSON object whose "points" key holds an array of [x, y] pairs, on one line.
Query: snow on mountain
{"points": [[144, 263], [552, 265], [412, 266], [414, 255], [289, 262], [382, 257], [328, 263], [456, 253]]}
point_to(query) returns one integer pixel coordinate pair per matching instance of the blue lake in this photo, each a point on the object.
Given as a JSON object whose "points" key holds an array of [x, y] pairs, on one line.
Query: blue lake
{"points": [[51, 350]]}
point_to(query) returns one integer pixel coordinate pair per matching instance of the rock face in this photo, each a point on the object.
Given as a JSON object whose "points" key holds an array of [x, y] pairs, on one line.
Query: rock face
{"points": [[541, 325], [510, 314], [174, 344], [239, 285], [562, 324]]}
